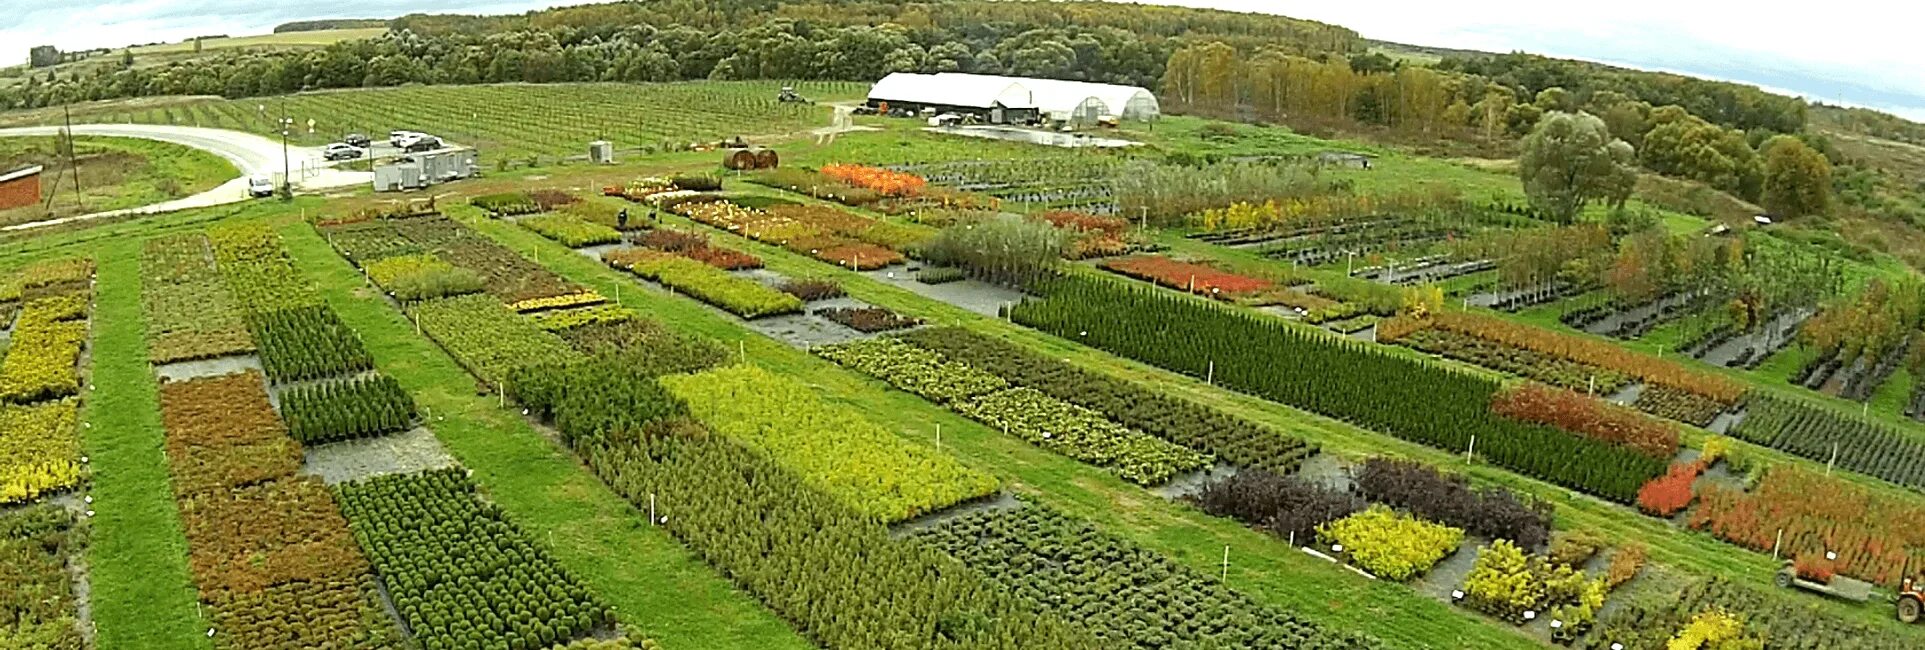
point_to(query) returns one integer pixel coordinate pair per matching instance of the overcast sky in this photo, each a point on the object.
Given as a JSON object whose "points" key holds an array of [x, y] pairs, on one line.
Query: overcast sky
{"points": [[1860, 52]]}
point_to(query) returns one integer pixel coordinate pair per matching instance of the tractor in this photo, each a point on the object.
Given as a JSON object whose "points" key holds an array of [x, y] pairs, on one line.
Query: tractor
{"points": [[790, 96], [1911, 600]]}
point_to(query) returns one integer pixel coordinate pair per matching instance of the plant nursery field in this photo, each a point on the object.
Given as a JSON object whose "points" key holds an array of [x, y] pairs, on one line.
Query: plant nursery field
{"points": [[909, 392]]}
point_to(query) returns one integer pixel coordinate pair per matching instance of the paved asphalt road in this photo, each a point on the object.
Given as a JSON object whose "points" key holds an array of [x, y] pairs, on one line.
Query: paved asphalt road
{"points": [[252, 154]]}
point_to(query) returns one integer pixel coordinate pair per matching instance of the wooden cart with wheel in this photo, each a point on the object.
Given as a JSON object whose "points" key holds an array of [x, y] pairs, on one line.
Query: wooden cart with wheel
{"points": [[1911, 600], [1838, 587]]}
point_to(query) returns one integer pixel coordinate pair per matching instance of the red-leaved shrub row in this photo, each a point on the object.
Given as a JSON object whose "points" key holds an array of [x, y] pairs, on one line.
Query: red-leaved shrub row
{"points": [[1666, 495], [1187, 276], [1595, 352], [1877, 538], [1084, 222], [697, 247], [1091, 236], [1588, 416]]}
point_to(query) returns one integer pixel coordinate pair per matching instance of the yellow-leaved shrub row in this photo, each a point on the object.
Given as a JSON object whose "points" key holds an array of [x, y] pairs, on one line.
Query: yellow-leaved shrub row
{"points": [[1391, 544], [862, 464], [39, 449], [46, 345]]}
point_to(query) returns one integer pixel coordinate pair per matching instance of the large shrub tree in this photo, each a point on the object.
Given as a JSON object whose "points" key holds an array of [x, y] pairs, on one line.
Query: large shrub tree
{"points": [[1570, 160], [1797, 178]]}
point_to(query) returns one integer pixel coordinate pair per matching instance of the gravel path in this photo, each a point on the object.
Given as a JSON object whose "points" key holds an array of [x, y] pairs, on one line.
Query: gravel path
{"points": [[184, 370], [412, 451], [1185, 485], [997, 501], [1779, 333], [974, 295], [1449, 573]]}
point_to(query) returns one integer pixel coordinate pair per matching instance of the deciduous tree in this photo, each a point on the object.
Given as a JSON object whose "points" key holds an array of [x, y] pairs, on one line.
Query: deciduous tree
{"points": [[1797, 178], [1570, 160]]}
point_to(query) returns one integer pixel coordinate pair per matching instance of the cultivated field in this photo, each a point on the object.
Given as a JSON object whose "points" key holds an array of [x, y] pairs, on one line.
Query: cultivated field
{"points": [[316, 38], [506, 122]]}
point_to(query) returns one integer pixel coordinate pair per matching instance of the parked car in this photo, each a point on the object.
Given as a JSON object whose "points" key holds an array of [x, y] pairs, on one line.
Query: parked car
{"points": [[401, 138], [423, 143], [260, 186], [342, 151], [357, 140]]}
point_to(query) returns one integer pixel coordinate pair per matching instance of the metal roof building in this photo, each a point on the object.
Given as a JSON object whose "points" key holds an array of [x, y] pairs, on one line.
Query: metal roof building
{"points": [[1066, 100], [20, 188], [1078, 102], [933, 90]]}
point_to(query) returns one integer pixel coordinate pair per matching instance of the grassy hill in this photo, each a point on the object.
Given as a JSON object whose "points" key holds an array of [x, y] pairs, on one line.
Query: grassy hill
{"points": [[185, 51], [283, 40], [115, 173]]}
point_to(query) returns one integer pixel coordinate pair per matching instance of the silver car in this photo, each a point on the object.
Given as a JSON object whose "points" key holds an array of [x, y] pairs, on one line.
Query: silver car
{"points": [[342, 151]]}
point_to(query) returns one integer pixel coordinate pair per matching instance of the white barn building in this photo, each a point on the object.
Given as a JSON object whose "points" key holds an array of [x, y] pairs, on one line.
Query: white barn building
{"points": [[1015, 99]]}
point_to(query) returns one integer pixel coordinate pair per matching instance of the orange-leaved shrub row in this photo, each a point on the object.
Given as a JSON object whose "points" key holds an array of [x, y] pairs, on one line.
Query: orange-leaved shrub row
{"points": [[883, 181], [1876, 537], [1576, 348], [1187, 276], [1588, 416], [827, 234], [1667, 495], [270, 553], [1084, 222], [1092, 235]]}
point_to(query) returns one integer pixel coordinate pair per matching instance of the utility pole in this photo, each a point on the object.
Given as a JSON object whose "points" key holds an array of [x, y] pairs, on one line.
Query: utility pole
{"points": [[73, 160], [287, 176]]}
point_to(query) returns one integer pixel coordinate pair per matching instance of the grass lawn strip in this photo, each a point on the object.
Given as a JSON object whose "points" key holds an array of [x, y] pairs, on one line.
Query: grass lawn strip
{"points": [[142, 594]]}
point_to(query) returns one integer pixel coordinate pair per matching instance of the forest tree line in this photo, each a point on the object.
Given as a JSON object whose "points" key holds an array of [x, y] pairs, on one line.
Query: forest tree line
{"points": [[1721, 139], [672, 40]]}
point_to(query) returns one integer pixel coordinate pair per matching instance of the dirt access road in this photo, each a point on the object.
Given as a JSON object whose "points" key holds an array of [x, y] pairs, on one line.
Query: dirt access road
{"points": [[251, 154]]}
